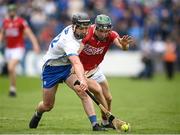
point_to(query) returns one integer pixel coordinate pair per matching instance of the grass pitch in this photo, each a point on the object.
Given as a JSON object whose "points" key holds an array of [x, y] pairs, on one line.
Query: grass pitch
{"points": [[150, 106]]}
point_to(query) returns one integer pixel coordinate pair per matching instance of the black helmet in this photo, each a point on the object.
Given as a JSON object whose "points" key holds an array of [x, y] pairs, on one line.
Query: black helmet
{"points": [[81, 19], [103, 22]]}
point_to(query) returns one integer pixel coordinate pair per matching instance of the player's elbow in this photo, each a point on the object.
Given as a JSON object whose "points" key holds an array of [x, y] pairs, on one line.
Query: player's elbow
{"points": [[75, 60]]}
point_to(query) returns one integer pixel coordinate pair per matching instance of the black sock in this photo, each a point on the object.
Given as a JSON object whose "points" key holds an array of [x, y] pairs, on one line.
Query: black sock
{"points": [[38, 114]]}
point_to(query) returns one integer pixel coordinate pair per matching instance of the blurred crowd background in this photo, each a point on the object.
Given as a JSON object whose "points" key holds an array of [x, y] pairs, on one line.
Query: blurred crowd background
{"points": [[152, 23]]}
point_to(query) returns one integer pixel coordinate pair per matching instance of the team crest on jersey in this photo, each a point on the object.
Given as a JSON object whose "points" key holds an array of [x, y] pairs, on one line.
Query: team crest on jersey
{"points": [[90, 50]]}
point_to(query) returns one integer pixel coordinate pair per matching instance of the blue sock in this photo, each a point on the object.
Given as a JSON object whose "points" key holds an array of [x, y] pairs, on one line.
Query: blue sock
{"points": [[93, 119]]}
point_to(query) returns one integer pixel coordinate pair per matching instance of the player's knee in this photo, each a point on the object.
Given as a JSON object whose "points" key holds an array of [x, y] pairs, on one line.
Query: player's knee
{"points": [[11, 69], [109, 99], [97, 90], [48, 107]]}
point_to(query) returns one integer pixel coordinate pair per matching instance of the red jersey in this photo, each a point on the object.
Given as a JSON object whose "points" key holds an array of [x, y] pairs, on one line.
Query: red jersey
{"points": [[14, 29], [95, 50]]}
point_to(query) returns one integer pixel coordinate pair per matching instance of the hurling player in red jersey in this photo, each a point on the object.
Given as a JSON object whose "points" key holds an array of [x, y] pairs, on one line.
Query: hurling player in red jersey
{"points": [[13, 30], [101, 37]]}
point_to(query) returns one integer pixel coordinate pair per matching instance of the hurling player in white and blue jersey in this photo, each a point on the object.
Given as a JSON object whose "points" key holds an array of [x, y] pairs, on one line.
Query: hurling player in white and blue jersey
{"points": [[61, 56]]}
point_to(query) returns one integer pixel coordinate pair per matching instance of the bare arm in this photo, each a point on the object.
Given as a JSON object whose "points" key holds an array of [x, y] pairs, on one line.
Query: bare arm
{"points": [[79, 71], [1, 35], [33, 39], [123, 42]]}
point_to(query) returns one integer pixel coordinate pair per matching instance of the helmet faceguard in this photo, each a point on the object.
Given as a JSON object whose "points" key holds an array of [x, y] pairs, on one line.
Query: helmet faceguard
{"points": [[103, 22]]}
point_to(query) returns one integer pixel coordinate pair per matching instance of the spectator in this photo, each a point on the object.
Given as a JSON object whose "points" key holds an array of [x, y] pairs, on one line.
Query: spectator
{"points": [[146, 49], [169, 58]]}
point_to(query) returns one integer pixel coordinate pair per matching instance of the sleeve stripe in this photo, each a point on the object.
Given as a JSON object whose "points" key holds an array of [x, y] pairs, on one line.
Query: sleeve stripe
{"points": [[71, 54]]}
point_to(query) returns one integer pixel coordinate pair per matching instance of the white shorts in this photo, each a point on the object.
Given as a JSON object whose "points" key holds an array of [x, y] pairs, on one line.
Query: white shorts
{"points": [[14, 53], [98, 76]]}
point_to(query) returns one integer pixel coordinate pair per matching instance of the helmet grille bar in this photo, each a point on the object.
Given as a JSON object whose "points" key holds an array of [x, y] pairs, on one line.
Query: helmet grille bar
{"points": [[81, 19]]}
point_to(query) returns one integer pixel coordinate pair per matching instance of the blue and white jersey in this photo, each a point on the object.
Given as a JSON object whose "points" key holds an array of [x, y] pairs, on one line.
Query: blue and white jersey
{"points": [[62, 46]]}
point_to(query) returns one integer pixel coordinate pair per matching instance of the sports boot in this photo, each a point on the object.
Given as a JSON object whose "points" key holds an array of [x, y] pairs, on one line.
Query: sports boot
{"points": [[34, 121], [110, 125], [97, 127], [12, 94]]}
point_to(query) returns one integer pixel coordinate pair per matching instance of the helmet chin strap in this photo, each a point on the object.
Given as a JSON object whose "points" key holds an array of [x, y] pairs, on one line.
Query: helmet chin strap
{"points": [[74, 28], [77, 36]]}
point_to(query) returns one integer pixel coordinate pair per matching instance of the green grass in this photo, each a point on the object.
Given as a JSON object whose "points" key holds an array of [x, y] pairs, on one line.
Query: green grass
{"points": [[151, 107]]}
